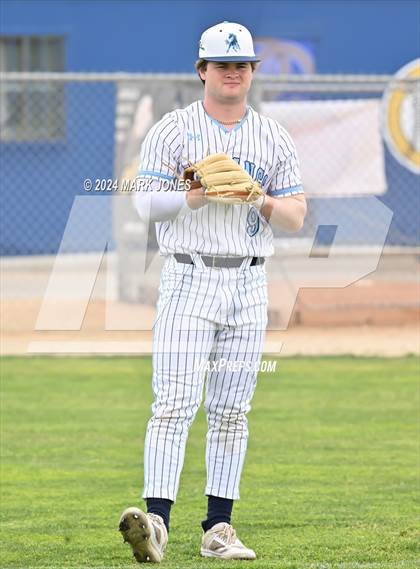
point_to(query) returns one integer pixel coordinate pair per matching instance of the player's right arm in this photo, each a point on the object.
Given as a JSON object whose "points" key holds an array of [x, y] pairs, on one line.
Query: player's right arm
{"points": [[160, 198]]}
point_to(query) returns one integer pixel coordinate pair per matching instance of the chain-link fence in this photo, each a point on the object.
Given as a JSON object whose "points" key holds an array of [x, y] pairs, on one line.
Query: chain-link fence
{"points": [[68, 141], [59, 130]]}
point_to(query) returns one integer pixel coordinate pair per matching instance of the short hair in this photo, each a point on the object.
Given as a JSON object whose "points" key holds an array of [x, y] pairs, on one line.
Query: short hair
{"points": [[201, 65]]}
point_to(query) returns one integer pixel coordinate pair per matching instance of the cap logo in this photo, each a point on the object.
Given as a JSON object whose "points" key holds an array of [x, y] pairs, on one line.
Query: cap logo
{"points": [[232, 43]]}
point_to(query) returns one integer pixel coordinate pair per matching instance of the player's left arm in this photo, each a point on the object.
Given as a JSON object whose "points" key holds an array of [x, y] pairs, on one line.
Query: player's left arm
{"points": [[284, 203], [285, 212]]}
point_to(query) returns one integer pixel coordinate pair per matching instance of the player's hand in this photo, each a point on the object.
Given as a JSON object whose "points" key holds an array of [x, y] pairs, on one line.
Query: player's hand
{"points": [[196, 198], [224, 180]]}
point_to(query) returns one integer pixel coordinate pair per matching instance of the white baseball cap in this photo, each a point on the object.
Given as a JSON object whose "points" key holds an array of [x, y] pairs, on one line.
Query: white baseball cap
{"points": [[227, 42]]}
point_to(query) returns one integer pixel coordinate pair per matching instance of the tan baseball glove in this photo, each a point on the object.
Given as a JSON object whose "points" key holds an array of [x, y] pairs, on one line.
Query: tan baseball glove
{"points": [[223, 180]]}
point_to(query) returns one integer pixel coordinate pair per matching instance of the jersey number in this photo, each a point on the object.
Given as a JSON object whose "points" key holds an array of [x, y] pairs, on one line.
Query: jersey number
{"points": [[252, 222]]}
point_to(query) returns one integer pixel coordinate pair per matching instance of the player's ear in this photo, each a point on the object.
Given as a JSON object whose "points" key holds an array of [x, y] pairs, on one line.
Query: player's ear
{"points": [[202, 73], [201, 67]]}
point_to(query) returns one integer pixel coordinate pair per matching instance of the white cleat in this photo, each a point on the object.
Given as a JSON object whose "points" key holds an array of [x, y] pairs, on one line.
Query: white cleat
{"points": [[220, 541], [146, 533]]}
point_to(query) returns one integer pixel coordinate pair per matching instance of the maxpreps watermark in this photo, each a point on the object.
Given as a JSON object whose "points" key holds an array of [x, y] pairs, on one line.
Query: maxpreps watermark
{"points": [[224, 364], [135, 185]]}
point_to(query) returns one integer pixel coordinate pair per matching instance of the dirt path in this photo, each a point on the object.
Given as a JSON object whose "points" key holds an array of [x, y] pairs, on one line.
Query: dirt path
{"points": [[18, 319]]}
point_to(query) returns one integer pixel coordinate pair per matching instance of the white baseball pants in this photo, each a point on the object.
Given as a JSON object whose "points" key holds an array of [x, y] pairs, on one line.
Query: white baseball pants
{"points": [[209, 329]]}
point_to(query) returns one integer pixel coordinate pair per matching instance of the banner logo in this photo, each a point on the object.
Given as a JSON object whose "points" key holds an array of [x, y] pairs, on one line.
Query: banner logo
{"points": [[401, 117]]}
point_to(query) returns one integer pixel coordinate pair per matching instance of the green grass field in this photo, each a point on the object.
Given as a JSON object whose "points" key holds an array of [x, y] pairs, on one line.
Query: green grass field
{"points": [[330, 478]]}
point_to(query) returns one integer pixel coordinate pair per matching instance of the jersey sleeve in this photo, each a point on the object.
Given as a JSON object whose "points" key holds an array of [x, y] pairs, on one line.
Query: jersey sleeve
{"points": [[161, 150], [287, 180]]}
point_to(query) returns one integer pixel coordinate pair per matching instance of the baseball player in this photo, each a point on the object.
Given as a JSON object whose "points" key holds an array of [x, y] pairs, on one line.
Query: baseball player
{"points": [[214, 230]]}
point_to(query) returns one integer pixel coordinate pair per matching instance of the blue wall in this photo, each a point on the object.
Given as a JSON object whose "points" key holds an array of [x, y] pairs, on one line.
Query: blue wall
{"points": [[366, 36], [349, 36]]}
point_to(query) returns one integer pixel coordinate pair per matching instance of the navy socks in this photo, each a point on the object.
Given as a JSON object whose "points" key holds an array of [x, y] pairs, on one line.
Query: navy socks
{"points": [[218, 510], [161, 507]]}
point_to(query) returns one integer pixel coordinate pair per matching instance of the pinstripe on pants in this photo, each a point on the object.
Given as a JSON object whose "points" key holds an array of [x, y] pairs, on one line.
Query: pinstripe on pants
{"points": [[203, 314]]}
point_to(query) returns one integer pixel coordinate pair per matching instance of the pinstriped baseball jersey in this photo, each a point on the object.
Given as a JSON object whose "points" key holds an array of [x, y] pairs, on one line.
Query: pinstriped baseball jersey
{"points": [[259, 144]]}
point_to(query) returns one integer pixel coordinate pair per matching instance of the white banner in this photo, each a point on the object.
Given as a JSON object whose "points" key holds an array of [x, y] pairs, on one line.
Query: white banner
{"points": [[338, 143]]}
